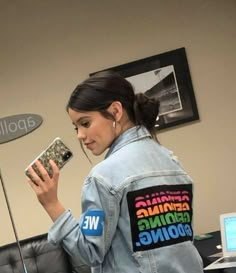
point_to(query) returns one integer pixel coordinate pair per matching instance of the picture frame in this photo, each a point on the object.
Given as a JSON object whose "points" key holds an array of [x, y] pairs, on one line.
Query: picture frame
{"points": [[165, 76]]}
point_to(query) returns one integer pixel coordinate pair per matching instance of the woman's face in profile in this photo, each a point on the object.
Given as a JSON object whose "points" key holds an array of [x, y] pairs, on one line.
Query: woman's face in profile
{"points": [[93, 130]]}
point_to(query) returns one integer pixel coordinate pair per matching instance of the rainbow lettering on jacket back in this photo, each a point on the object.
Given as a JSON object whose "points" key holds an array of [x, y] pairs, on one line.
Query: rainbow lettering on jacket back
{"points": [[160, 216]]}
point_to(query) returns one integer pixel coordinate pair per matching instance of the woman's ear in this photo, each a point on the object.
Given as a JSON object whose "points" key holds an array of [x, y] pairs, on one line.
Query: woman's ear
{"points": [[116, 109]]}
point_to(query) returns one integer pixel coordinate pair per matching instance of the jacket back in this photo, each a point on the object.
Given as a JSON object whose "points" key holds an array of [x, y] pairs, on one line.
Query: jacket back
{"points": [[148, 197]]}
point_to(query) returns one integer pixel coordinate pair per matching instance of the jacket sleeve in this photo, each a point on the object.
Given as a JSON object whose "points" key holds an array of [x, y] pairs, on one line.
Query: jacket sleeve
{"points": [[91, 236]]}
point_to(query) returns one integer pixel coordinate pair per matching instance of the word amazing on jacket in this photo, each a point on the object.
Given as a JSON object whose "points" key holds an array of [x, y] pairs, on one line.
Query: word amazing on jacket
{"points": [[16, 126]]}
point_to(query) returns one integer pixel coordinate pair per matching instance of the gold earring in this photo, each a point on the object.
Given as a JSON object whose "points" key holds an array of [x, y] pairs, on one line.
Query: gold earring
{"points": [[114, 124]]}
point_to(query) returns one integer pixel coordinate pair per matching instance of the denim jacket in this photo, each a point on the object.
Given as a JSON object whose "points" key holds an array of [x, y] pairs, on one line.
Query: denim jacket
{"points": [[136, 212]]}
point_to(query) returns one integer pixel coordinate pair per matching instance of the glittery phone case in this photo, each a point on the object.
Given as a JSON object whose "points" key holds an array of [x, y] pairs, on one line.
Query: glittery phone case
{"points": [[57, 151]]}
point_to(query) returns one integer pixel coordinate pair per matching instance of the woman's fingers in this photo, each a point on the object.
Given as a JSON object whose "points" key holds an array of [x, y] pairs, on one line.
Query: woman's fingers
{"points": [[55, 169], [42, 181], [42, 170], [36, 179], [33, 185]]}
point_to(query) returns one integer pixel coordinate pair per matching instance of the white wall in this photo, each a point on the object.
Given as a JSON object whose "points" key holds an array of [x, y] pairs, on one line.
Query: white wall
{"points": [[47, 47]]}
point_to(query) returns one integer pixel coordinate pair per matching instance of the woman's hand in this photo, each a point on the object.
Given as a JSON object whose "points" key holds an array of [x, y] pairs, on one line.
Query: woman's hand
{"points": [[46, 189]]}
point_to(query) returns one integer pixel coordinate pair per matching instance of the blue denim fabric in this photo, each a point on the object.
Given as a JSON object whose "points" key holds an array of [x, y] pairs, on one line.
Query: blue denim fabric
{"points": [[136, 212]]}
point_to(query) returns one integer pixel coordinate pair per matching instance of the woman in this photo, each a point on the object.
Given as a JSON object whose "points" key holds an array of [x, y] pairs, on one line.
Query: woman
{"points": [[137, 202]]}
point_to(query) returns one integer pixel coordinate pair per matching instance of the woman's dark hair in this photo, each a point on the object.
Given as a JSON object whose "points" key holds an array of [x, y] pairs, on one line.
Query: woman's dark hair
{"points": [[101, 89]]}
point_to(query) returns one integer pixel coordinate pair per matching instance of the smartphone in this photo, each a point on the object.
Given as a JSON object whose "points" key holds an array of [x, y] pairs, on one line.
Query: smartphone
{"points": [[56, 151]]}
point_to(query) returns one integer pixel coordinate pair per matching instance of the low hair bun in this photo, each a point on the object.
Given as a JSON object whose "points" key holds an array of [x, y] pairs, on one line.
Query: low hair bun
{"points": [[146, 110]]}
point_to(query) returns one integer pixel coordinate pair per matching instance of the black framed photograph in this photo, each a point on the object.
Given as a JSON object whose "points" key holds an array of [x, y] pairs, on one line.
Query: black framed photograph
{"points": [[165, 76]]}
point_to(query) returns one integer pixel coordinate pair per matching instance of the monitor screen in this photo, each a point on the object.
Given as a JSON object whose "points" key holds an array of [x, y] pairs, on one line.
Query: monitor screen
{"points": [[230, 233]]}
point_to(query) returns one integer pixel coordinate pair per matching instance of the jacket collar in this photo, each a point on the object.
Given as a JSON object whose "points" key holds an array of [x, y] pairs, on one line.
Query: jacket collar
{"points": [[133, 134]]}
